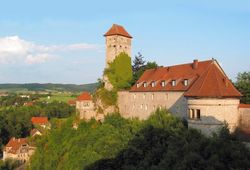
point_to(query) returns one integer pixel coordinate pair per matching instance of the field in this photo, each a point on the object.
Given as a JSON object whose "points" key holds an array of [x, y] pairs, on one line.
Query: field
{"points": [[62, 97]]}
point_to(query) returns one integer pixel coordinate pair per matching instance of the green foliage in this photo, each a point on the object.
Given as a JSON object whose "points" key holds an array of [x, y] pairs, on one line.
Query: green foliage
{"points": [[243, 85], [161, 142], [119, 72], [16, 121], [107, 97], [139, 67], [8, 165]]}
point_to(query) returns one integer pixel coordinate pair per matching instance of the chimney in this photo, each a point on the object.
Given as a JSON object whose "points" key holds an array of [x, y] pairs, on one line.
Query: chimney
{"points": [[195, 64]]}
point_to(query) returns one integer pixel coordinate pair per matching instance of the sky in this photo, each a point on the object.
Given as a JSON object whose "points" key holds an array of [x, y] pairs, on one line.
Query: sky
{"points": [[61, 41]]}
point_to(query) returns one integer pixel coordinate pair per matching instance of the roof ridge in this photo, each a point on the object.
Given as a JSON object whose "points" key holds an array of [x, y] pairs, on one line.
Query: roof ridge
{"points": [[218, 84]]}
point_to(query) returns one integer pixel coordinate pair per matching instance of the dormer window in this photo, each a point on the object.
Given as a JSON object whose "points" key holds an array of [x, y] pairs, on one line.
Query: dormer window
{"points": [[163, 83], [144, 84], [185, 82], [137, 85], [173, 82], [153, 84]]}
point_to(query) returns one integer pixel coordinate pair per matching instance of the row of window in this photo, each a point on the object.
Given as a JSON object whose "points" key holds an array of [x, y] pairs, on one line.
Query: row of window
{"points": [[163, 83], [152, 96], [194, 114], [145, 106]]}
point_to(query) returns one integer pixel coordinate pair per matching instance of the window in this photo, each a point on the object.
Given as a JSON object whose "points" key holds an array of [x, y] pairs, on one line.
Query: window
{"points": [[153, 84], [163, 83], [166, 96], [173, 82], [137, 85], [141, 106], [194, 114], [144, 84], [198, 114], [152, 96], [146, 107], [134, 96], [144, 96], [185, 82]]}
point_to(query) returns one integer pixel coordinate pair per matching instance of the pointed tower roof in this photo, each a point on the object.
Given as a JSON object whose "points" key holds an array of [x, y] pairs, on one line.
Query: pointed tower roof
{"points": [[117, 30], [213, 83]]}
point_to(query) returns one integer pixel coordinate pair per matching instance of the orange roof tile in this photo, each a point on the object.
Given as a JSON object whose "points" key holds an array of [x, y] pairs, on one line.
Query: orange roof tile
{"points": [[117, 30], [84, 96], [72, 102], [177, 72], [205, 79], [241, 105], [39, 120], [213, 83], [15, 144]]}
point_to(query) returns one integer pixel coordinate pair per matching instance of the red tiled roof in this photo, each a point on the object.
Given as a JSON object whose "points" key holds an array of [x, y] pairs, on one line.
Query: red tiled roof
{"points": [[72, 102], [167, 74], [117, 30], [213, 83], [84, 96], [15, 144], [28, 104], [39, 120], [205, 79], [241, 105]]}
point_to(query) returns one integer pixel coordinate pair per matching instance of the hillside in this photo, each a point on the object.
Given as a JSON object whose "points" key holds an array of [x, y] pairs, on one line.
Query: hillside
{"points": [[161, 142], [47, 87]]}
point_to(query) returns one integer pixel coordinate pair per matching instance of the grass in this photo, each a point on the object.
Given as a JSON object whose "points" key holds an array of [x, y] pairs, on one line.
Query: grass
{"points": [[61, 97]]}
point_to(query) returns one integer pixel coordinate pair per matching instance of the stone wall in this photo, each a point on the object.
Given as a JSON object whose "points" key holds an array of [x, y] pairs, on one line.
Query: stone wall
{"points": [[213, 113], [116, 44], [86, 109], [142, 104], [244, 118]]}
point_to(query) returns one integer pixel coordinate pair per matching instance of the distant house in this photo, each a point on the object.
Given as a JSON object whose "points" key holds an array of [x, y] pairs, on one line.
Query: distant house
{"points": [[85, 106], [35, 132], [18, 149], [28, 104], [41, 121], [72, 102]]}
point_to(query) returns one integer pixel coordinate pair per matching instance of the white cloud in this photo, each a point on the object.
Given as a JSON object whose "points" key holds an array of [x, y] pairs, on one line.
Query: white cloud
{"points": [[14, 49], [39, 58]]}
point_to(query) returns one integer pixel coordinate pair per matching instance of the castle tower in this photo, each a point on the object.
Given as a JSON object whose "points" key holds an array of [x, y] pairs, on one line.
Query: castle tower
{"points": [[117, 40]]}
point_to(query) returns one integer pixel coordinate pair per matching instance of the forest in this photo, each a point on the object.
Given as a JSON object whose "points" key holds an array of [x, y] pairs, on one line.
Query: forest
{"points": [[161, 142]]}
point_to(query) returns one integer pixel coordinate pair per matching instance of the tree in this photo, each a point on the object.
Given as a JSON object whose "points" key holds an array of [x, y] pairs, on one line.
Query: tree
{"points": [[138, 62], [139, 67], [119, 72], [243, 85]]}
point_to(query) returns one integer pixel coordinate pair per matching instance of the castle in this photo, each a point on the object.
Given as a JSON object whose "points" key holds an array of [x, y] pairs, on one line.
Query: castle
{"points": [[199, 92]]}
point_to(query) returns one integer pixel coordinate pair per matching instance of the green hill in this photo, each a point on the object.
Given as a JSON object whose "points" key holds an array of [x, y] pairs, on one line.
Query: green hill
{"points": [[47, 87]]}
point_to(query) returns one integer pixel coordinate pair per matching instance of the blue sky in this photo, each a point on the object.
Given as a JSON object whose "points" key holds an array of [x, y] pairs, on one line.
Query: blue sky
{"points": [[62, 41]]}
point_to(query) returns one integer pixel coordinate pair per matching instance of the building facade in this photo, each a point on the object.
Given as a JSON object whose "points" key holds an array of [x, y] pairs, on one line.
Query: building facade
{"points": [[18, 149], [85, 106]]}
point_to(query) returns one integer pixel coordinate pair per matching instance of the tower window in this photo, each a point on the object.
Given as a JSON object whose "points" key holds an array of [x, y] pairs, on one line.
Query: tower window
{"points": [[185, 82], [144, 84], [173, 82]]}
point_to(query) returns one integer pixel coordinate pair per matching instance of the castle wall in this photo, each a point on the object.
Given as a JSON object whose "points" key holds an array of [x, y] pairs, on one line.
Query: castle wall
{"points": [[142, 104], [244, 118], [209, 115]]}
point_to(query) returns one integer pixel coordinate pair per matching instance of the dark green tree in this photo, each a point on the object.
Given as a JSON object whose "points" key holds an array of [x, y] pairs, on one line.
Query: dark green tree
{"points": [[243, 85]]}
